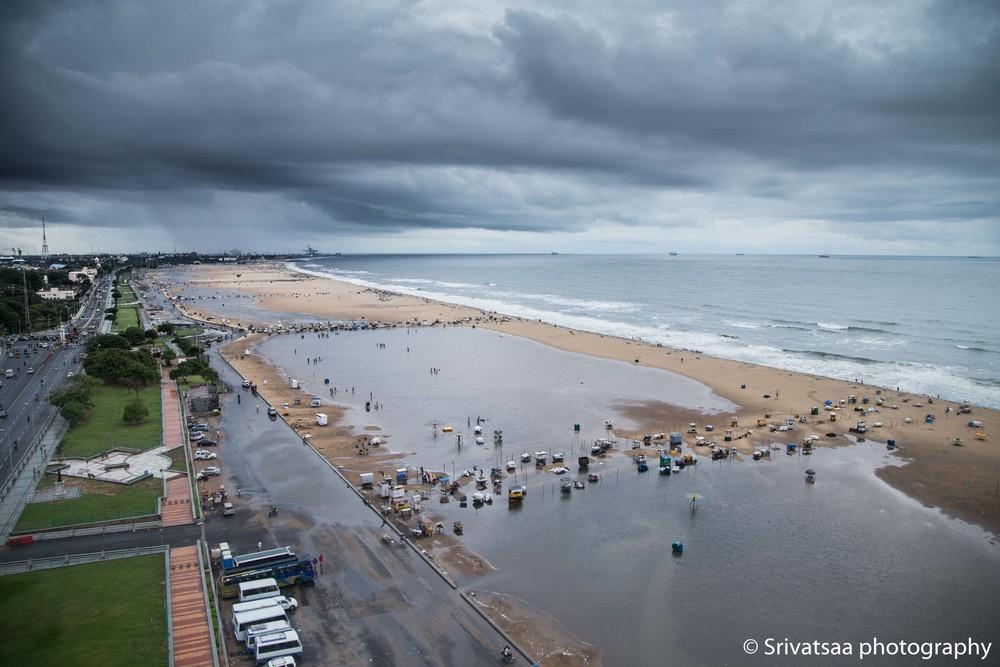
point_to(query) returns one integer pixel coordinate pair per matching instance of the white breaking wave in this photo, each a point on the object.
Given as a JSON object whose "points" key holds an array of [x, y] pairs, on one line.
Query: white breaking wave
{"points": [[832, 326], [740, 324], [915, 377]]}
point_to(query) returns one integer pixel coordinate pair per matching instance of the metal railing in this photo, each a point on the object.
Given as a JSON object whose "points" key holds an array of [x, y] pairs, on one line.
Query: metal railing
{"points": [[18, 467], [168, 604], [14, 567]]}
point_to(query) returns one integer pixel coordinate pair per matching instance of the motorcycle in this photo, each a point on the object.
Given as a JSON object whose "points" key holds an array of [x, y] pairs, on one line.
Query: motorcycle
{"points": [[507, 655]]}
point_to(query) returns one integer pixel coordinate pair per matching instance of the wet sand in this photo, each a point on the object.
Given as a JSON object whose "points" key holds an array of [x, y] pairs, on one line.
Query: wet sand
{"points": [[962, 481]]}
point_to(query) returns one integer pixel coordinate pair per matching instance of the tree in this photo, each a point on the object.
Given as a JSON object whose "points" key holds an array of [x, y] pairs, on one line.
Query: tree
{"points": [[194, 367], [121, 366], [75, 399], [165, 327], [149, 334], [107, 342], [134, 335], [135, 411], [73, 412]]}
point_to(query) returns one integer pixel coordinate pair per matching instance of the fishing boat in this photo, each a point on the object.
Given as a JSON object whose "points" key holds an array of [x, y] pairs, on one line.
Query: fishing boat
{"points": [[558, 457], [526, 458], [578, 484], [677, 548], [593, 477], [511, 465], [609, 424], [566, 487], [541, 457], [477, 429], [480, 441]]}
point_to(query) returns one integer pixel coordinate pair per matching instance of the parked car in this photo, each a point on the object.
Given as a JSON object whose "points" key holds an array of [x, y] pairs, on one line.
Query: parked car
{"points": [[202, 455], [271, 412], [228, 509], [205, 442], [194, 426], [30, 371], [3, 413], [196, 436], [246, 384], [288, 603], [211, 471]]}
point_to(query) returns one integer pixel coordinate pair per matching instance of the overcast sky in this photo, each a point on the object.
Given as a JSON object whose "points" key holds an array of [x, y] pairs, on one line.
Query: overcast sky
{"points": [[440, 126]]}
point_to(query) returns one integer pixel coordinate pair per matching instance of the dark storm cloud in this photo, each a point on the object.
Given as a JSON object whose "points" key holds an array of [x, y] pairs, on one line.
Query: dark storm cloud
{"points": [[385, 117]]}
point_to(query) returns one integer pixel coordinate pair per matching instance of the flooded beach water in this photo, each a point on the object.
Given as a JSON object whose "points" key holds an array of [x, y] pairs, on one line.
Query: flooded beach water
{"points": [[766, 555]]}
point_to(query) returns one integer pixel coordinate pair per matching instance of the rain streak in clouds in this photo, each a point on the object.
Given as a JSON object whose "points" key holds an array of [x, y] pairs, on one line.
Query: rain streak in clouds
{"points": [[432, 126]]}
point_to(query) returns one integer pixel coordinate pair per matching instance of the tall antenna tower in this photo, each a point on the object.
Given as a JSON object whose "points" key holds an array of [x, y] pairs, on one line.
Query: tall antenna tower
{"points": [[45, 242]]}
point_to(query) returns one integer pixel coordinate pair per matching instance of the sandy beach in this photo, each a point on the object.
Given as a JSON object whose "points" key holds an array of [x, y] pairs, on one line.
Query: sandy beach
{"points": [[960, 480]]}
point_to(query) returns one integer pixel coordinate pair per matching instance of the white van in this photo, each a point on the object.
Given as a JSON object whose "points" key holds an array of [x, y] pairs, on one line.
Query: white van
{"points": [[276, 645], [261, 629], [260, 588], [243, 620], [285, 602]]}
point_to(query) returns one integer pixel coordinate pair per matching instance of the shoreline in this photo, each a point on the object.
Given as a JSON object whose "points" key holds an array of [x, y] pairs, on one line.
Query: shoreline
{"points": [[961, 481]]}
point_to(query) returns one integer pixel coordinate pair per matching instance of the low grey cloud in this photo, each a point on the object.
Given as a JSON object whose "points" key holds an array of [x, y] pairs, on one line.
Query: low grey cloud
{"points": [[221, 123]]}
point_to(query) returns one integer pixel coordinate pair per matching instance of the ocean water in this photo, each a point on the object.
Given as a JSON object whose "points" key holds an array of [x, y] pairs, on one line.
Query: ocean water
{"points": [[927, 325], [766, 555]]}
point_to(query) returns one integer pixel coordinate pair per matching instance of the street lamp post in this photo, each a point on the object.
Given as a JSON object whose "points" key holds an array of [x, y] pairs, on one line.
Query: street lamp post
{"points": [[239, 304]]}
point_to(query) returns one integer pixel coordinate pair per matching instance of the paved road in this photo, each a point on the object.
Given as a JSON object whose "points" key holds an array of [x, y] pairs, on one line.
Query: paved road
{"points": [[38, 371], [373, 604]]}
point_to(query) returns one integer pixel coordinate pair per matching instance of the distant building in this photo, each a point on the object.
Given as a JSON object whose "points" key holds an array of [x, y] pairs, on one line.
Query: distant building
{"points": [[55, 294], [77, 276]]}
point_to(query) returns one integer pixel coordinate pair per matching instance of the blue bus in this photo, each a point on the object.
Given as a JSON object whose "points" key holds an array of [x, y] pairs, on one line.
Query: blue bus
{"points": [[285, 573]]}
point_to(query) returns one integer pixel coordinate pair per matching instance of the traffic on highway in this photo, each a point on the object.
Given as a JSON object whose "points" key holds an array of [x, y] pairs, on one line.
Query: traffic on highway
{"points": [[32, 367]]}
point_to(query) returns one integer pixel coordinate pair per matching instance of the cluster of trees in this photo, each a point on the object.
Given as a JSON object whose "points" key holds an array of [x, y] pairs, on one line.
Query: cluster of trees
{"points": [[195, 367], [110, 358], [43, 312], [189, 348], [76, 398]]}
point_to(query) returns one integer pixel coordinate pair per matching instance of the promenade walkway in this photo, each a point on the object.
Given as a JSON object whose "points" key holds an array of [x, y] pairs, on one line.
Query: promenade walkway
{"points": [[176, 508], [189, 619]]}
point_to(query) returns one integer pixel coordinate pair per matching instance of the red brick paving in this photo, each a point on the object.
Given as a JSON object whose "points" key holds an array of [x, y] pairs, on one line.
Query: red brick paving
{"points": [[175, 509], [191, 628]]}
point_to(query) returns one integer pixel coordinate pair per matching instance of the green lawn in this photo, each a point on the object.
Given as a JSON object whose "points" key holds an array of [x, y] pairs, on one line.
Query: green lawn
{"points": [[192, 381], [100, 501], [104, 429], [187, 331], [177, 461], [127, 317], [107, 614]]}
